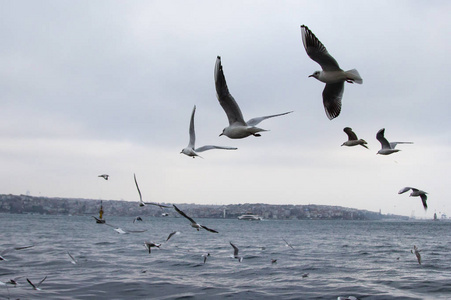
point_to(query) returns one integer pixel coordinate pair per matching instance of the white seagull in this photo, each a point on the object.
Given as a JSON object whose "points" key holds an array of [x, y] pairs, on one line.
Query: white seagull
{"points": [[235, 252], [149, 245], [387, 148], [190, 150], [142, 203], [171, 234], [124, 231], [416, 251], [36, 286], [237, 128], [194, 224], [72, 259], [331, 74], [416, 193], [352, 139], [205, 256], [12, 249]]}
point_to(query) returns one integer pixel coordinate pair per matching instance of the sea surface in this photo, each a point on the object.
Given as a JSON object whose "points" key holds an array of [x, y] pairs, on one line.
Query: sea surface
{"points": [[365, 259]]}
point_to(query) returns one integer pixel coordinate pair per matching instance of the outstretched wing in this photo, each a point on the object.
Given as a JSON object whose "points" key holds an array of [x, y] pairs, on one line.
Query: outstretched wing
{"points": [[192, 134], [403, 190], [235, 249], [381, 138], [139, 192], [424, 197], [31, 283], [316, 50], [183, 214], [226, 100], [351, 135], [393, 144], [332, 95], [209, 147], [41, 281], [255, 121], [208, 229]]}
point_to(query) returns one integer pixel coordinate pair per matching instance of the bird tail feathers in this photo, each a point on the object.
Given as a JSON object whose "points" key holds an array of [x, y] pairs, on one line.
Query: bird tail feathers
{"points": [[354, 75]]}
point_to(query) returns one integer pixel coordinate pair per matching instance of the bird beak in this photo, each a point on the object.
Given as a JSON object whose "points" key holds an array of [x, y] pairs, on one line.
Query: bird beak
{"points": [[221, 134], [310, 76]]}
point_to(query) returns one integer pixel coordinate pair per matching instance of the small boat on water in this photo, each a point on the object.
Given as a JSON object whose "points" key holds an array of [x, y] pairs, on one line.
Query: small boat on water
{"points": [[250, 217], [100, 220]]}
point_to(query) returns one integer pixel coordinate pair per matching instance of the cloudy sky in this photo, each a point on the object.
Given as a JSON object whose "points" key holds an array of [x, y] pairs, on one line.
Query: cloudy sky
{"points": [[92, 87]]}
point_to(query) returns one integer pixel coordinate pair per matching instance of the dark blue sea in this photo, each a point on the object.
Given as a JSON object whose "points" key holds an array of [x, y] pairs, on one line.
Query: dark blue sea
{"points": [[365, 259]]}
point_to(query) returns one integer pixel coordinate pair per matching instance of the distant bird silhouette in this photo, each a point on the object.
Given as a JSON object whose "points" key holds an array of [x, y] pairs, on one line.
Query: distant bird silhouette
{"points": [[352, 139], [150, 245], [416, 251], [416, 193], [331, 74], [171, 234], [205, 256], [12, 249], [36, 286], [387, 148], [235, 252], [104, 176]]}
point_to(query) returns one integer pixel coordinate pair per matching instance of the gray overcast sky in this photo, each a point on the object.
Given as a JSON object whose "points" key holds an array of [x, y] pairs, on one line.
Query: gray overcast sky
{"points": [[92, 87]]}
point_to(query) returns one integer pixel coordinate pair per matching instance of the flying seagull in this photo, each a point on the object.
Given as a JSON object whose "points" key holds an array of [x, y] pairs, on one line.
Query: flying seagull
{"points": [[387, 148], [205, 256], [137, 219], [142, 203], [416, 251], [190, 150], [171, 234], [352, 139], [36, 286], [104, 176], [235, 252], [287, 244], [416, 193], [12, 249], [331, 74], [194, 224], [124, 231], [237, 128], [149, 245], [72, 259]]}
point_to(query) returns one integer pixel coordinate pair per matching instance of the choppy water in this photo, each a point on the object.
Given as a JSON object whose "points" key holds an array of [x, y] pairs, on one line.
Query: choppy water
{"points": [[369, 260]]}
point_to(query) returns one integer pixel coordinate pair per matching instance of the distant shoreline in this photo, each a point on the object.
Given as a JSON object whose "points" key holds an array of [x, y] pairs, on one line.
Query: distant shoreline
{"points": [[24, 204]]}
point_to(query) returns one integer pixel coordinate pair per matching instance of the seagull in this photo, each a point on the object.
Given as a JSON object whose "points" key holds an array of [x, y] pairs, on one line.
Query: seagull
{"points": [[387, 148], [122, 231], [305, 275], [288, 245], [72, 259], [12, 249], [171, 234], [13, 281], [137, 219], [352, 139], [237, 128], [194, 224], [104, 176], [235, 252], [142, 203], [273, 261], [416, 251], [190, 150], [205, 256], [149, 245], [416, 193], [36, 287], [331, 74]]}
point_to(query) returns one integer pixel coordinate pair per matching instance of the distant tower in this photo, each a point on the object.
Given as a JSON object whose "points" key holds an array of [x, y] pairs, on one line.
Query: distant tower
{"points": [[224, 213]]}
